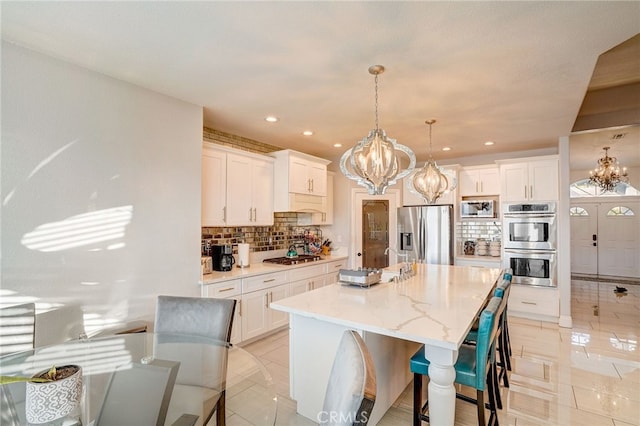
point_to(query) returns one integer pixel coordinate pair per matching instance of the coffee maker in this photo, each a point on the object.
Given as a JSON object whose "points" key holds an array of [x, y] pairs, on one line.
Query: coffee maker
{"points": [[222, 257]]}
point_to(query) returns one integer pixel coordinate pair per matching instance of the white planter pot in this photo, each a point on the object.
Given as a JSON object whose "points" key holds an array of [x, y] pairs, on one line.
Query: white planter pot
{"points": [[49, 401]]}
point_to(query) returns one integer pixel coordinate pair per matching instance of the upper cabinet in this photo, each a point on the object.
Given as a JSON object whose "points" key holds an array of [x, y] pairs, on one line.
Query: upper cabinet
{"points": [[301, 180], [534, 179], [214, 187], [479, 180], [325, 217], [411, 199], [237, 188]]}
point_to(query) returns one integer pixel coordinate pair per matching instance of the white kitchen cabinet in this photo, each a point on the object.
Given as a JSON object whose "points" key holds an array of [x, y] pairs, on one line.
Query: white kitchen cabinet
{"points": [[332, 270], [257, 293], [534, 179], [237, 188], [250, 191], [479, 180], [214, 187], [301, 180], [534, 302], [411, 199], [255, 319], [325, 216], [229, 290]]}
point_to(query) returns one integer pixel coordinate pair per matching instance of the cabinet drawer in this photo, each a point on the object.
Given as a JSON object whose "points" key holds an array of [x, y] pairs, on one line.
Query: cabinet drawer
{"points": [[534, 300], [335, 266], [260, 282], [224, 289], [306, 272]]}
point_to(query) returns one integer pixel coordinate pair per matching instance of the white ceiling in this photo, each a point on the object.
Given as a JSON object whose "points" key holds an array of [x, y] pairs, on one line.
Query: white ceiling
{"points": [[511, 72]]}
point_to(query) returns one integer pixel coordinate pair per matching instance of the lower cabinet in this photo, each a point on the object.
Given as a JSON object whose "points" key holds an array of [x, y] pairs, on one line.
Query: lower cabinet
{"points": [[257, 317], [534, 302], [253, 316], [229, 290], [332, 271]]}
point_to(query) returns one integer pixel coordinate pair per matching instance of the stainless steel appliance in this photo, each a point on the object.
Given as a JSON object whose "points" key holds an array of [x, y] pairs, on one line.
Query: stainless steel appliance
{"points": [[529, 226], [222, 257], [477, 208], [529, 240], [426, 233], [532, 267], [287, 260]]}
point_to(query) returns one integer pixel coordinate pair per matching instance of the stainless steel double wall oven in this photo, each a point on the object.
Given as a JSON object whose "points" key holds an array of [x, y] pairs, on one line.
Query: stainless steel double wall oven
{"points": [[529, 240]]}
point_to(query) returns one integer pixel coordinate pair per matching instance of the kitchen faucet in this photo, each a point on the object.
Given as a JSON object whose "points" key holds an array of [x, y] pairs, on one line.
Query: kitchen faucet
{"points": [[405, 270]]}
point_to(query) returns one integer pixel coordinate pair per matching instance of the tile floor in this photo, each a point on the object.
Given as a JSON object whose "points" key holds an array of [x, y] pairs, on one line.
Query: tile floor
{"points": [[587, 375]]}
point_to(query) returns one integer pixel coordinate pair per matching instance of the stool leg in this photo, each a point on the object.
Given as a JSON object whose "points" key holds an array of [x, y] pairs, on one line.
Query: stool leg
{"points": [[480, 399], [417, 398]]}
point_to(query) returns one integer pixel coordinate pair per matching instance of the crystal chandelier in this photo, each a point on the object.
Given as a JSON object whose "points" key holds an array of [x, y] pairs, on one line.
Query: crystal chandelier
{"points": [[607, 175], [431, 182], [374, 162]]}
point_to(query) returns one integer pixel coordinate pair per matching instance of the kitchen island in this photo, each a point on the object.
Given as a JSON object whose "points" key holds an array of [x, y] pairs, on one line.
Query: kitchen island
{"points": [[436, 307]]}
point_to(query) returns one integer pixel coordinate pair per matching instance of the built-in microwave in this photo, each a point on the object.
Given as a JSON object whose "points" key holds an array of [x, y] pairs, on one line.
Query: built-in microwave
{"points": [[477, 208]]}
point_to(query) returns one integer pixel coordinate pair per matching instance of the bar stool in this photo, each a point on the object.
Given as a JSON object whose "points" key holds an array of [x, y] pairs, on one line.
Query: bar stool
{"points": [[475, 367]]}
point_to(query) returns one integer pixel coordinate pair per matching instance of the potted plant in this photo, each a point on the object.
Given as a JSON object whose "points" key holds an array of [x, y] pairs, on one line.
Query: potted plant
{"points": [[51, 394]]}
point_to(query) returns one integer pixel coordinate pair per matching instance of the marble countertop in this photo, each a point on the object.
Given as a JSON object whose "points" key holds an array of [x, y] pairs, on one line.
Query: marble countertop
{"points": [[260, 268], [437, 306]]}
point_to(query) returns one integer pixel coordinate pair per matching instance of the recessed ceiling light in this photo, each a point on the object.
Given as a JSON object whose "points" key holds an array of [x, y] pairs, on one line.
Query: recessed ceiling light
{"points": [[337, 145], [307, 133], [271, 119], [446, 148], [488, 143]]}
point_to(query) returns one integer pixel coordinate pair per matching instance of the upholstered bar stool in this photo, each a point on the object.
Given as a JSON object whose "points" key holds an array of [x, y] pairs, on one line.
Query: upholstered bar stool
{"points": [[475, 367]]}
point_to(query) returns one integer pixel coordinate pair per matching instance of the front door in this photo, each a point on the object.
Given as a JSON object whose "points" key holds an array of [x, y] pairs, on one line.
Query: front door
{"points": [[584, 239], [605, 238]]}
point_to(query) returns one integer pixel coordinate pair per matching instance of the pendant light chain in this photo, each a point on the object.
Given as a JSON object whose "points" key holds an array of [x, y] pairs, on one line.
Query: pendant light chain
{"points": [[376, 80]]}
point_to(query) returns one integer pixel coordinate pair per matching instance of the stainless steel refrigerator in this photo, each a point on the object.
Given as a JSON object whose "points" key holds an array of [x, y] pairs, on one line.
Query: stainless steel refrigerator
{"points": [[426, 233]]}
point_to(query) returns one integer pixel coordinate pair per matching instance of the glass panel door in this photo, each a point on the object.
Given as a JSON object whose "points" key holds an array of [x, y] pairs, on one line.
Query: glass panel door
{"points": [[375, 233]]}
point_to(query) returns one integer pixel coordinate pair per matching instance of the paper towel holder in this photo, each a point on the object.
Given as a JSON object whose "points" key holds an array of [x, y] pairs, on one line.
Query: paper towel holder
{"points": [[240, 262]]}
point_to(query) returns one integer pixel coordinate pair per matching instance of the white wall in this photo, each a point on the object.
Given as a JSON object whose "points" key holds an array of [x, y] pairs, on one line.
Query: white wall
{"points": [[75, 142]]}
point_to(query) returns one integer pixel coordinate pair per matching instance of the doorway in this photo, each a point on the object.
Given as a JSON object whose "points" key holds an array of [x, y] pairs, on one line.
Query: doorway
{"points": [[605, 238], [375, 233], [373, 228]]}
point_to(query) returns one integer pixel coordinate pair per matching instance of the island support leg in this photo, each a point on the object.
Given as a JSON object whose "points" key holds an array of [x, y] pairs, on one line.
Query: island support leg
{"points": [[442, 393]]}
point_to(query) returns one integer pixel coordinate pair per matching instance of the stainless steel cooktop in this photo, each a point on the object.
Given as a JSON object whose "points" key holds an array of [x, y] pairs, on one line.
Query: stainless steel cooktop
{"points": [[301, 258]]}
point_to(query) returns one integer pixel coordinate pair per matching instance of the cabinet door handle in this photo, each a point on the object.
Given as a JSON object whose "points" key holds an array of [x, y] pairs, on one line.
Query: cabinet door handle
{"points": [[476, 186], [266, 300], [531, 192], [255, 215], [525, 192], [224, 214], [313, 187], [240, 308], [250, 220], [226, 289], [529, 303], [269, 280], [481, 186]]}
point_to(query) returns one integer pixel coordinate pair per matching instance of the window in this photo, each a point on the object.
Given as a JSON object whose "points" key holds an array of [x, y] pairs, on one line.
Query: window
{"points": [[583, 188], [578, 211], [620, 211]]}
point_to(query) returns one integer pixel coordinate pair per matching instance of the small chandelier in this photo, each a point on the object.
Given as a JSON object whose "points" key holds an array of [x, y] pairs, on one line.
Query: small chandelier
{"points": [[373, 162], [607, 175], [431, 182]]}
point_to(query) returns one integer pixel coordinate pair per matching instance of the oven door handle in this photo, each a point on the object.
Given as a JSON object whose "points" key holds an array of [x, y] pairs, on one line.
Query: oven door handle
{"points": [[528, 215], [530, 252]]}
